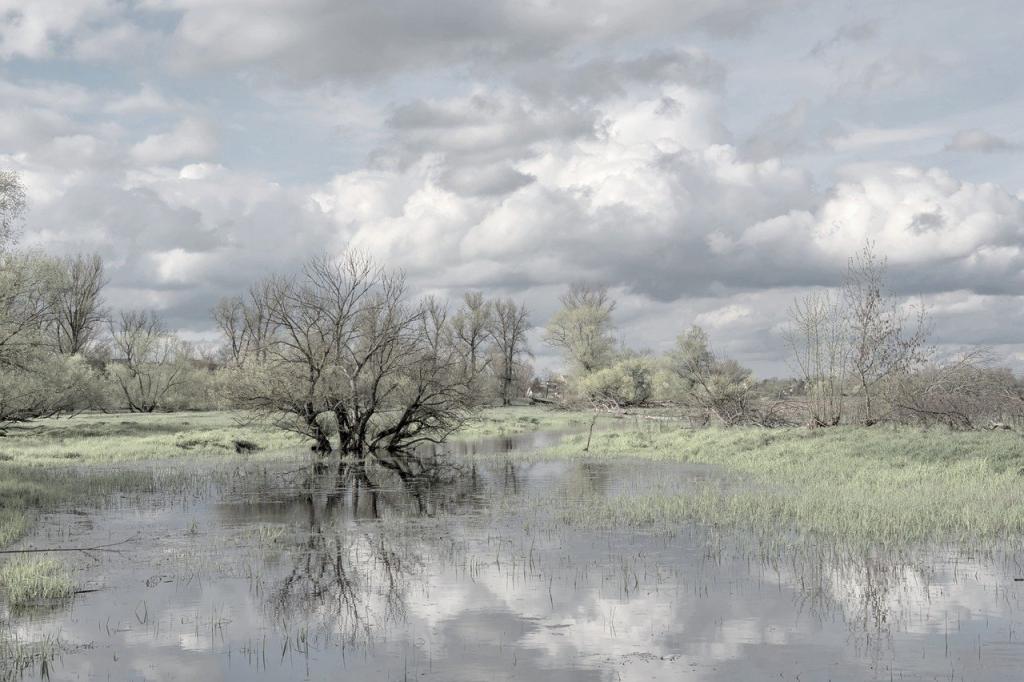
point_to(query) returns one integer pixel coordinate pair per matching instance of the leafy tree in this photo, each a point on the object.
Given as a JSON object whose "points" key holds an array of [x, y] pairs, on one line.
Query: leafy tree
{"points": [[12, 207], [719, 388], [582, 329], [627, 382]]}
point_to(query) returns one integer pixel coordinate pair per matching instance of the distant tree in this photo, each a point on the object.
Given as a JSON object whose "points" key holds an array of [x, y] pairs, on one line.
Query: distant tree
{"points": [[818, 341], [12, 206], [148, 361], [627, 382], [881, 346], [77, 312], [511, 323], [582, 329], [472, 327], [718, 388], [229, 316]]}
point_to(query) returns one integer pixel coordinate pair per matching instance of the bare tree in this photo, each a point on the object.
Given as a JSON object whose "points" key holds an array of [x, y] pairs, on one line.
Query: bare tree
{"points": [[349, 351], [78, 307], [246, 324], [511, 323], [229, 316], [966, 392], [472, 325], [583, 328], [817, 338], [149, 362], [12, 206], [881, 347]]}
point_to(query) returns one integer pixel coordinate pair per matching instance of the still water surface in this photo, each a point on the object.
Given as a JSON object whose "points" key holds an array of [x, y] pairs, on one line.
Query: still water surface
{"points": [[270, 572]]}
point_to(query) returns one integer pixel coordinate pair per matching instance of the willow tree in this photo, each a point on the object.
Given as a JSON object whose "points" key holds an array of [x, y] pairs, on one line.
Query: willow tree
{"points": [[349, 352], [582, 329]]}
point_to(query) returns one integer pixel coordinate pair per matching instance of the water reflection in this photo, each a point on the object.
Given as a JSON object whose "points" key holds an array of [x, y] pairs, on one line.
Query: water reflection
{"points": [[469, 573]]}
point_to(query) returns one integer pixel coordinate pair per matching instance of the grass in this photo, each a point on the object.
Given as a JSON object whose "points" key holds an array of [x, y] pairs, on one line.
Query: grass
{"points": [[501, 421], [29, 581], [92, 438], [865, 486]]}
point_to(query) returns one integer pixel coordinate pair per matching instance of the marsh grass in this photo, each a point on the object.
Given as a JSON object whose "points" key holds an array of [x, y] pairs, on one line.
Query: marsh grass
{"points": [[35, 580], [859, 486], [18, 657], [500, 421], [134, 437]]}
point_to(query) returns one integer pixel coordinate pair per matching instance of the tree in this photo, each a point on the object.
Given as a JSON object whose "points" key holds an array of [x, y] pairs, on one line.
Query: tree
{"points": [[349, 352], [628, 382], [148, 362], [245, 323], [880, 346], [966, 391], [817, 337], [511, 323], [582, 329], [719, 388], [229, 316], [12, 206], [34, 381], [78, 313], [472, 326]]}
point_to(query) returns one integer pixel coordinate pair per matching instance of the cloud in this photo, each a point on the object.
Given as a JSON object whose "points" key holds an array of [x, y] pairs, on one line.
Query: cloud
{"points": [[517, 146], [975, 140], [191, 139], [847, 34], [39, 28], [147, 99], [319, 39]]}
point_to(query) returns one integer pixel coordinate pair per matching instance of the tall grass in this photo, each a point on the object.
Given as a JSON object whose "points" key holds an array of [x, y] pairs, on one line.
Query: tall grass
{"points": [[29, 581], [860, 485]]}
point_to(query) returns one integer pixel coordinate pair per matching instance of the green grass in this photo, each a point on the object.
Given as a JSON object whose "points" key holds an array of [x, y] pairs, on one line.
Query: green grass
{"points": [[500, 421], [874, 486], [91, 438], [26, 582]]}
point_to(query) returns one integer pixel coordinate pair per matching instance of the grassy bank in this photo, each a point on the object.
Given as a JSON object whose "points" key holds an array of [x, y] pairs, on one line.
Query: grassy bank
{"points": [[500, 421], [873, 486]]}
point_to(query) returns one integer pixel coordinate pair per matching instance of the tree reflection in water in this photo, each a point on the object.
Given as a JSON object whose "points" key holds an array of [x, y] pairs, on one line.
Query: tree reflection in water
{"points": [[359, 551]]}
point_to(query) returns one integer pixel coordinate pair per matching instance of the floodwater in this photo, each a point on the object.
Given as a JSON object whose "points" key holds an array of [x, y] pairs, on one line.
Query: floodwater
{"points": [[272, 572]]}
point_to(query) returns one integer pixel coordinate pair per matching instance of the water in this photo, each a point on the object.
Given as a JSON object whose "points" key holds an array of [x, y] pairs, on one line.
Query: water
{"points": [[271, 572]]}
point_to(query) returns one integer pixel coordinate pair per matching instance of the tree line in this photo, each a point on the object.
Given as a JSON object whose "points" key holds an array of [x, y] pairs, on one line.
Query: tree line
{"points": [[345, 353], [859, 355]]}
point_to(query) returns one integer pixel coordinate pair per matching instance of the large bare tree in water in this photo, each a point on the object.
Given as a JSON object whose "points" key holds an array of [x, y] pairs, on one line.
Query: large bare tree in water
{"points": [[347, 351]]}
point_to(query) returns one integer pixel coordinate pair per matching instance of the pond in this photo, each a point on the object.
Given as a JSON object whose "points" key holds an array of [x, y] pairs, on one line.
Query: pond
{"points": [[268, 571]]}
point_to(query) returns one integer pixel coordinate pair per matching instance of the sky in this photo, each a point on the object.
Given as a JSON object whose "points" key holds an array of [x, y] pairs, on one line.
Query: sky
{"points": [[708, 161]]}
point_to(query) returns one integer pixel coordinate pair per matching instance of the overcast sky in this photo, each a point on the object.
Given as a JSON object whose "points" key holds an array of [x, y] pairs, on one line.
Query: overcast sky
{"points": [[706, 159]]}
